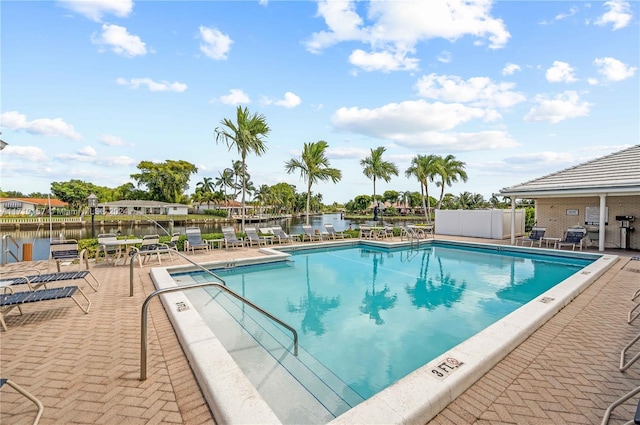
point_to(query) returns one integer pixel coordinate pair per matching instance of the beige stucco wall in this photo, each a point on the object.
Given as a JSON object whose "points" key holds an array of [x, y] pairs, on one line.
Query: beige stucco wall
{"points": [[552, 213]]}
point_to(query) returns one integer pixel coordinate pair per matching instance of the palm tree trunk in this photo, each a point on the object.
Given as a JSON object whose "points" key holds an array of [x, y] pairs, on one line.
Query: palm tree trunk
{"points": [[308, 200], [424, 206], [441, 195], [243, 190]]}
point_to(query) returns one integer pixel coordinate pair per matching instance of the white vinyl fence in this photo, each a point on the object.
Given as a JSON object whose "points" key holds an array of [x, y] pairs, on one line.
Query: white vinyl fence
{"points": [[488, 224]]}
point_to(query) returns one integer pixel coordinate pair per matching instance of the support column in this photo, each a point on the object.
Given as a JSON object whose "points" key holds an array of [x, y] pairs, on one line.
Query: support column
{"points": [[513, 220], [603, 216]]}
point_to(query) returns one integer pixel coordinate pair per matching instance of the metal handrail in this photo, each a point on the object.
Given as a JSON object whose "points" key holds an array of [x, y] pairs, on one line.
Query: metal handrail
{"points": [[6, 249], [144, 318], [167, 249]]}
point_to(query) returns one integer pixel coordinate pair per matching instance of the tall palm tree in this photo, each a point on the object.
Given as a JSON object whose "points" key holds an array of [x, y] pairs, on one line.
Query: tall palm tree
{"points": [[313, 166], [376, 168], [449, 171], [424, 168], [247, 135]]}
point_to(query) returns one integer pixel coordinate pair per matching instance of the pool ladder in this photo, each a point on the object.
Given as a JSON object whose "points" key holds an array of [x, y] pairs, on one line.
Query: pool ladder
{"points": [[222, 286]]}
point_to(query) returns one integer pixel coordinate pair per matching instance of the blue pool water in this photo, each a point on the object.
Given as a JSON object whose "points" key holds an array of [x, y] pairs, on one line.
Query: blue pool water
{"points": [[373, 315]]}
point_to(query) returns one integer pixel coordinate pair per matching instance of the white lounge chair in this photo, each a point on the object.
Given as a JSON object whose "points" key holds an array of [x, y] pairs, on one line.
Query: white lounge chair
{"points": [[281, 235], [253, 238], [310, 234], [194, 240], [535, 236], [333, 234], [231, 239]]}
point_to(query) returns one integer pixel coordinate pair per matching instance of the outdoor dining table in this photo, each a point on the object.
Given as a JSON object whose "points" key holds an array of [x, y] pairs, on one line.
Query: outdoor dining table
{"points": [[122, 243]]}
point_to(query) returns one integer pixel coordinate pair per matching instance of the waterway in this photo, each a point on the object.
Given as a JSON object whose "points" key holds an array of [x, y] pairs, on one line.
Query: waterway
{"points": [[40, 239]]}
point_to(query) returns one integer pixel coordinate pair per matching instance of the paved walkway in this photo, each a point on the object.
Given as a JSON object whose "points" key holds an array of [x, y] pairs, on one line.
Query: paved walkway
{"points": [[85, 368]]}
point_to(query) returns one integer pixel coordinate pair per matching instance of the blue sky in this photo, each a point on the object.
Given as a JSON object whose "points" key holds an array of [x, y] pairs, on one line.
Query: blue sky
{"points": [[514, 89]]}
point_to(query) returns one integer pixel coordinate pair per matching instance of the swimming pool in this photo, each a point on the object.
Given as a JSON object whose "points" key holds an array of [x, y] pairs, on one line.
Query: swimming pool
{"points": [[399, 310]]}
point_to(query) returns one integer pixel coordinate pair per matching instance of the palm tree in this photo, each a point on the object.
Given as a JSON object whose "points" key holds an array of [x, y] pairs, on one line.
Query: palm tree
{"points": [[376, 168], [313, 166], [225, 180], [449, 170], [246, 134], [206, 188], [424, 168]]}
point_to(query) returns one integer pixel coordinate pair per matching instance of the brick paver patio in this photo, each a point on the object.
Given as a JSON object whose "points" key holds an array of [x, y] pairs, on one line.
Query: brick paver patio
{"points": [[85, 368]]}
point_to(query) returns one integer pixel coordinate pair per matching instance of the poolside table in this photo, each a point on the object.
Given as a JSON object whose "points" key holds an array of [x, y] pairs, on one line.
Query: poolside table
{"points": [[122, 243]]}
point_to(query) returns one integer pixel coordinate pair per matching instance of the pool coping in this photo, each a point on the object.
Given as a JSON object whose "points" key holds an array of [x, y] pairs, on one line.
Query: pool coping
{"points": [[419, 396]]}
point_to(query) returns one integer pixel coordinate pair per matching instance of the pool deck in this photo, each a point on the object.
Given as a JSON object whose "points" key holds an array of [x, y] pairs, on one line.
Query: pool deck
{"points": [[85, 368]]}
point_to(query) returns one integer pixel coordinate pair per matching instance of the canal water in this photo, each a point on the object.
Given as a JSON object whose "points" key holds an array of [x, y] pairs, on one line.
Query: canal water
{"points": [[40, 238]]}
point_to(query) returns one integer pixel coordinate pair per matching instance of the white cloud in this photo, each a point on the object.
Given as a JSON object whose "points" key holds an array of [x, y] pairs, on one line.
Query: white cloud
{"points": [[105, 161], [95, 9], [347, 153], [385, 61], [235, 97], [290, 100], [510, 69], [42, 126], [396, 28], [445, 57], [397, 120], [120, 41], [28, 153], [119, 161], [619, 14], [215, 45], [613, 69], [87, 151], [564, 106], [460, 142], [572, 11], [477, 91], [136, 83], [111, 140], [560, 72]]}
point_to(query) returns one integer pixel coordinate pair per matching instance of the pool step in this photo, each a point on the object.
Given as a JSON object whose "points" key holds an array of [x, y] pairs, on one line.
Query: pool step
{"points": [[299, 389]]}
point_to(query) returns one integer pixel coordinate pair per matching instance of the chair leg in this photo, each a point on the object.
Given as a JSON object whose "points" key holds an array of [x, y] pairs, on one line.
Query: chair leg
{"points": [[28, 395], [624, 366], [618, 402]]}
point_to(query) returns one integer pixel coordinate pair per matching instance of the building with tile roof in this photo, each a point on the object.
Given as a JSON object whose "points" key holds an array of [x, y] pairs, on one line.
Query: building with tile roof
{"points": [[29, 206], [597, 194]]}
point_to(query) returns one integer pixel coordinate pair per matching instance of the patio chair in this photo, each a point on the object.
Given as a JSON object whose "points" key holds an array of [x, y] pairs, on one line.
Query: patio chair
{"points": [[67, 250], [366, 232], [194, 240], [27, 394], [412, 233], [231, 239], [17, 299], [37, 280], [620, 401], [281, 235], [110, 251], [572, 237], [310, 234], [387, 232], [253, 238], [149, 247], [535, 236], [333, 234], [173, 244]]}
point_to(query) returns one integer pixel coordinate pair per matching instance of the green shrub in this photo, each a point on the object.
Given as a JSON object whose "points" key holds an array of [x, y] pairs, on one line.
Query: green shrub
{"points": [[217, 213]]}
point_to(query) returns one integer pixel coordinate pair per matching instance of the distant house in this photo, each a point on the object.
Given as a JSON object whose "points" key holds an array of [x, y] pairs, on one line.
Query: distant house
{"points": [[29, 206], [598, 195], [134, 207]]}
